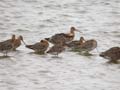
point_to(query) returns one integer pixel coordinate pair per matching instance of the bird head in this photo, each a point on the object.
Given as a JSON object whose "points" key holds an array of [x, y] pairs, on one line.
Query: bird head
{"points": [[72, 29], [82, 39], [21, 38], [13, 37]]}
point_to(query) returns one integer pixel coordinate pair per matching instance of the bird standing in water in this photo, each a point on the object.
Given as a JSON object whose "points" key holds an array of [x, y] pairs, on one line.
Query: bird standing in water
{"points": [[56, 49], [63, 37], [39, 47], [87, 46], [113, 54], [7, 45], [76, 43], [17, 42]]}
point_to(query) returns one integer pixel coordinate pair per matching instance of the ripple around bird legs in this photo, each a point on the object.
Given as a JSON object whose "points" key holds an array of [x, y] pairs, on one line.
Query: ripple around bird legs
{"points": [[2, 57]]}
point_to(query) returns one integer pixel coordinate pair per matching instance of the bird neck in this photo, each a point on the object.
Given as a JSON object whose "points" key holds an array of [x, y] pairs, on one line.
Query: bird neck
{"points": [[81, 41], [13, 39], [45, 43], [72, 33], [18, 40]]}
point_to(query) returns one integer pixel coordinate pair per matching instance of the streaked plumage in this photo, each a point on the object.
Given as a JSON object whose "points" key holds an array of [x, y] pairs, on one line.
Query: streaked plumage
{"points": [[88, 45], [76, 43], [7, 45], [56, 49], [62, 37], [39, 47], [17, 42], [113, 54]]}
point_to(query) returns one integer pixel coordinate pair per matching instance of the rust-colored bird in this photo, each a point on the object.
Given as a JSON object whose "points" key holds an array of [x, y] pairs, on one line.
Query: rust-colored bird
{"points": [[113, 54], [39, 47], [88, 45], [76, 43], [56, 49], [7, 45], [17, 42], [63, 37]]}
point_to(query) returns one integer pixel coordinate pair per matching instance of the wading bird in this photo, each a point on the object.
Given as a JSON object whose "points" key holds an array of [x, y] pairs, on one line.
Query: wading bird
{"points": [[17, 42], [87, 46], [113, 54], [63, 37], [76, 43], [7, 45], [39, 47], [56, 49]]}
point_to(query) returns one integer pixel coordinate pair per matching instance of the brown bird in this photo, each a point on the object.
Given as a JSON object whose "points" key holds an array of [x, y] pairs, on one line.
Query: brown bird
{"points": [[76, 43], [88, 45], [39, 47], [56, 49], [17, 42], [63, 37], [113, 54], [7, 45]]}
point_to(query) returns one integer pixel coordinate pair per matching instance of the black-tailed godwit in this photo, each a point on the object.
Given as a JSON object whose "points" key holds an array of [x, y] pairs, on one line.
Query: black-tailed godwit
{"points": [[87, 46], [63, 37], [39, 47], [7, 45], [113, 54], [76, 43], [56, 49], [17, 42]]}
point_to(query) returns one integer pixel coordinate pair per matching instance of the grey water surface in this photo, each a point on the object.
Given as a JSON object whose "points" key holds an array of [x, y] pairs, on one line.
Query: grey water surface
{"points": [[37, 19]]}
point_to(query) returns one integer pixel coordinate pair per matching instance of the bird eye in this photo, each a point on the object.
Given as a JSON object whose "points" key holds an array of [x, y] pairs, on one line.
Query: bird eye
{"points": [[42, 40]]}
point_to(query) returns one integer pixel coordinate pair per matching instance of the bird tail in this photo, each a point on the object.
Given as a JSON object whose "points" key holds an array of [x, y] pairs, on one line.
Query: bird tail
{"points": [[101, 54], [29, 46], [48, 51], [48, 39]]}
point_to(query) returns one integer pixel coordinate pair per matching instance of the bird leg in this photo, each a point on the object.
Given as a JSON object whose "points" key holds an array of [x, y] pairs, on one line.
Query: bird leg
{"points": [[5, 53], [97, 50], [113, 61]]}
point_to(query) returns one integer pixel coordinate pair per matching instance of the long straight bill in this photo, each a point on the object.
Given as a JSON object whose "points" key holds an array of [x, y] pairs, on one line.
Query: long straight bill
{"points": [[23, 42], [78, 30]]}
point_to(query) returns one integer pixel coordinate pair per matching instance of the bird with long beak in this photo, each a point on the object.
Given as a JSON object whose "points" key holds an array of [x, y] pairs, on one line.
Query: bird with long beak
{"points": [[56, 49], [63, 37], [7, 45], [113, 54], [39, 47], [17, 42], [87, 46], [76, 43]]}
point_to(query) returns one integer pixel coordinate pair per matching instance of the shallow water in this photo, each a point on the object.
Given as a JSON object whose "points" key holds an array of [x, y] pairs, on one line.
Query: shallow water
{"points": [[37, 19]]}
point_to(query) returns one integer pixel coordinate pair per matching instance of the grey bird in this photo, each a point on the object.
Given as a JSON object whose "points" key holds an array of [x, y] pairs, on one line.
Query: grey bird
{"points": [[7, 45], [63, 37], [113, 54], [76, 43], [39, 47], [87, 46], [56, 49]]}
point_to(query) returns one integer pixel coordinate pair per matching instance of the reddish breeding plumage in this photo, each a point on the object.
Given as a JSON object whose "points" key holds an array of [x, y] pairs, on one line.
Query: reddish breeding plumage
{"points": [[62, 37]]}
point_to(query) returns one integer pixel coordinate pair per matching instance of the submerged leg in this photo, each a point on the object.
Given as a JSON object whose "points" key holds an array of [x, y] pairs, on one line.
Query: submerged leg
{"points": [[6, 53], [14, 49], [97, 50], [57, 54], [113, 61]]}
